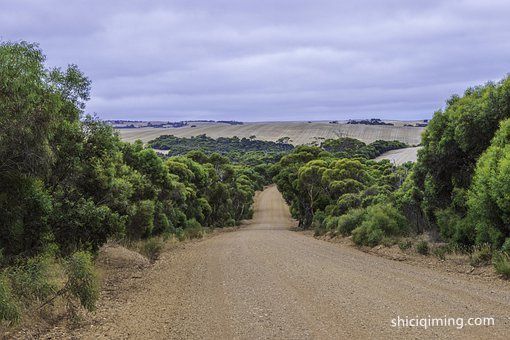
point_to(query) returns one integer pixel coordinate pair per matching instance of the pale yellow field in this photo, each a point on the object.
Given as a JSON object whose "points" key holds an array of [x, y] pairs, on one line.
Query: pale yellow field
{"points": [[400, 156], [299, 132]]}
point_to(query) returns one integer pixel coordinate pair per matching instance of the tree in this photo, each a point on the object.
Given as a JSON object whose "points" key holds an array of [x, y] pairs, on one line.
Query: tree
{"points": [[489, 194]]}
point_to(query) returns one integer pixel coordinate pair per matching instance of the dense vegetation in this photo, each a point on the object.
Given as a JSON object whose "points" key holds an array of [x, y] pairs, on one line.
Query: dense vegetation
{"points": [[341, 194], [68, 184], [371, 121], [223, 145], [350, 147], [458, 190]]}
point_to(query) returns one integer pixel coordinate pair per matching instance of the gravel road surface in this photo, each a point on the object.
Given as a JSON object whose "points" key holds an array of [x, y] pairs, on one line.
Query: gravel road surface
{"points": [[267, 282]]}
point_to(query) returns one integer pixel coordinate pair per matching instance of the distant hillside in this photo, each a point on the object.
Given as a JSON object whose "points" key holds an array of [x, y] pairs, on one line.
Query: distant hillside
{"points": [[298, 132]]}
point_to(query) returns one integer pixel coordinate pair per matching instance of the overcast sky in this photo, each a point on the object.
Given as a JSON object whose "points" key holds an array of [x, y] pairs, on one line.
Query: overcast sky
{"points": [[269, 59]]}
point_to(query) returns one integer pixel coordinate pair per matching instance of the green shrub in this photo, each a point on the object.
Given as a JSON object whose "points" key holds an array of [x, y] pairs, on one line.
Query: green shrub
{"points": [[481, 255], [501, 262], [379, 221], [179, 233], [440, 252], [488, 196], [193, 229], [83, 282], [506, 246], [388, 241], [152, 248], [367, 235], [328, 224], [9, 309], [34, 280], [404, 245], [350, 221], [423, 248]]}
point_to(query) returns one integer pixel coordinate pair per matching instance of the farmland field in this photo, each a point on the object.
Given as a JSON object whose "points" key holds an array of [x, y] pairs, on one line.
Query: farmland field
{"points": [[400, 156], [299, 132]]}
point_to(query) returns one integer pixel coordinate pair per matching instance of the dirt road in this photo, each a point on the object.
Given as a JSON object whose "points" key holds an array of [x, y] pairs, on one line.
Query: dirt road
{"points": [[266, 282]]}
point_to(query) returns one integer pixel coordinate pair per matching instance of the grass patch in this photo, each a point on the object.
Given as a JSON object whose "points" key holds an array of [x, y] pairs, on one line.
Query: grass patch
{"points": [[481, 256], [152, 248], [501, 262], [423, 248]]}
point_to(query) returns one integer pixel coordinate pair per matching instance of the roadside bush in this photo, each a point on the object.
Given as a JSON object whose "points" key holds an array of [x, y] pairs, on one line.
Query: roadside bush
{"points": [[318, 222], [152, 248], [488, 196], [380, 220], [481, 255], [350, 221], [440, 252], [506, 246], [83, 282], [34, 280], [404, 245], [9, 309], [367, 235], [423, 248], [501, 262], [180, 234], [193, 229]]}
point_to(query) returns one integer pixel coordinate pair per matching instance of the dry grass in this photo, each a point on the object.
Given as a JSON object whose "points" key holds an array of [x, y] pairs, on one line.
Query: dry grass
{"points": [[299, 132]]}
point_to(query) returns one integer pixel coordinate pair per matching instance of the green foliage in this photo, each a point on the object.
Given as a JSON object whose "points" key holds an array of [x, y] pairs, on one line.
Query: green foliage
{"points": [[367, 235], [66, 179], [350, 221], [152, 248], [423, 248], [440, 252], [501, 262], [405, 245], [83, 281], [9, 309], [506, 246], [193, 229], [481, 255], [350, 147], [490, 192], [34, 280], [452, 143], [379, 221], [224, 145]]}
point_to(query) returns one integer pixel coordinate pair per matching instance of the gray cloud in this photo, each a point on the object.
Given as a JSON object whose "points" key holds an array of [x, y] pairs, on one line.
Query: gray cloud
{"points": [[268, 60]]}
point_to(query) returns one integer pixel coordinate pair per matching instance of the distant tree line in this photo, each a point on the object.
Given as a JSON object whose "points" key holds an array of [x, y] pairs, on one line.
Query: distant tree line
{"points": [[372, 121], [222, 145]]}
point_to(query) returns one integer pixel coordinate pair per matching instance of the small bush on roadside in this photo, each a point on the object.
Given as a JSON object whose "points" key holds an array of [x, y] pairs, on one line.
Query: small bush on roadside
{"points": [[481, 256], [152, 248], [380, 220], [350, 221], [318, 224], [404, 245], [388, 241], [179, 233], [83, 282], [9, 309], [367, 235], [423, 248], [506, 246], [440, 252], [34, 280], [193, 229], [501, 262]]}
